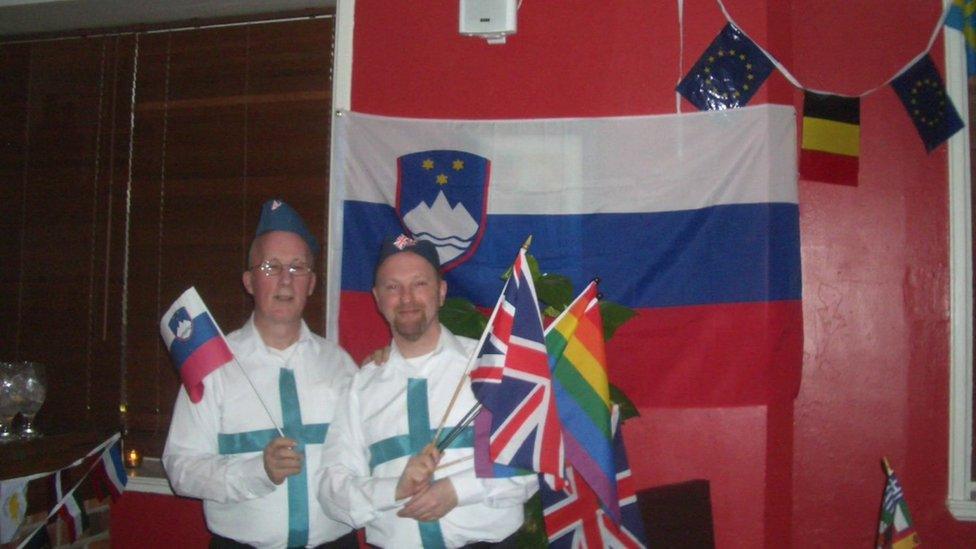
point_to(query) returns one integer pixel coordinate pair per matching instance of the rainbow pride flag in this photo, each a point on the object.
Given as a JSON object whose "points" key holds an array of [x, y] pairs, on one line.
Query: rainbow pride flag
{"points": [[574, 342]]}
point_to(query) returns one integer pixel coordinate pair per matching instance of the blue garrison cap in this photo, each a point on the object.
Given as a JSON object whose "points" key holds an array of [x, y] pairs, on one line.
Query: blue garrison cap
{"points": [[278, 216]]}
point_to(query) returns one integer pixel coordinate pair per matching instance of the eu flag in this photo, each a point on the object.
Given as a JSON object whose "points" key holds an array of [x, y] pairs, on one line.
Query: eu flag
{"points": [[728, 74], [921, 90]]}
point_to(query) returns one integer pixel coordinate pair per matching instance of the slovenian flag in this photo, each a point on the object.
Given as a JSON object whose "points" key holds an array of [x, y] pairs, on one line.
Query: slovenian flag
{"points": [[690, 219], [195, 343]]}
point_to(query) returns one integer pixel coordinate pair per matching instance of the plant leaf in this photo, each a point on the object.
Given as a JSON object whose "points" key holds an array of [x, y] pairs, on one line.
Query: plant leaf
{"points": [[627, 407], [614, 314], [533, 267], [549, 312], [554, 290], [462, 318], [533, 530]]}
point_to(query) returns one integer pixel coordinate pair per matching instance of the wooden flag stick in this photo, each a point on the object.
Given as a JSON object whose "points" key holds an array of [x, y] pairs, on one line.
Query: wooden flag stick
{"points": [[456, 431], [454, 462], [464, 375]]}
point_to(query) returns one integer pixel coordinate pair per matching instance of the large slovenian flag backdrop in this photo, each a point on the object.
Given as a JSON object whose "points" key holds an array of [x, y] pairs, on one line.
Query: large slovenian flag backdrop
{"points": [[691, 219]]}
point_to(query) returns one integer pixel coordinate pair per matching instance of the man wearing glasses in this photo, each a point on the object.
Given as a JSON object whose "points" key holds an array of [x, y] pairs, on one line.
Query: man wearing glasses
{"points": [[256, 485]]}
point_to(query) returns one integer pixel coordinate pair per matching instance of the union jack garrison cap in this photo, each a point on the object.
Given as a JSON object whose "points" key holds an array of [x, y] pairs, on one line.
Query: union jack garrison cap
{"points": [[403, 243]]}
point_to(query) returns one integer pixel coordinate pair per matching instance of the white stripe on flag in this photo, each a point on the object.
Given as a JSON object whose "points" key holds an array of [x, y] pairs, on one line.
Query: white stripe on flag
{"points": [[612, 165], [13, 498]]}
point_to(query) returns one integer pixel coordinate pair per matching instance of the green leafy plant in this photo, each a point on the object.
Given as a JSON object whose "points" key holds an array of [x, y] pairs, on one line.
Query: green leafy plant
{"points": [[555, 293]]}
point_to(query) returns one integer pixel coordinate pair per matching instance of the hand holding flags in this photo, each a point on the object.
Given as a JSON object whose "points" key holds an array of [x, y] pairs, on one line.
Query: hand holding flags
{"points": [[194, 341]]}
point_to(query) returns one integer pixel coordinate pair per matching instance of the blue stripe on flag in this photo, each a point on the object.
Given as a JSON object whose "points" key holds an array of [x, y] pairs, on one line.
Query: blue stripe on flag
{"points": [[721, 254], [204, 330], [577, 423]]}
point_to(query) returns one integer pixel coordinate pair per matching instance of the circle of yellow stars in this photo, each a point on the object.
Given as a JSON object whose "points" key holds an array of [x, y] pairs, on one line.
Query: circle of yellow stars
{"points": [[442, 178], [733, 55], [929, 91]]}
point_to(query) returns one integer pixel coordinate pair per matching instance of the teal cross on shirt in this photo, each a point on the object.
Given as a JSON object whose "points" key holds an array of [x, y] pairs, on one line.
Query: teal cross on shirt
{"points": [[419, 436], [255, 441]]}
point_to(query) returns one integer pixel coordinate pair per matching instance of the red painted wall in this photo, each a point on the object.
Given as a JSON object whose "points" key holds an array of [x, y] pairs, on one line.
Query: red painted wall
{"points": [[804, 473], [151, 520], [875, 270]]}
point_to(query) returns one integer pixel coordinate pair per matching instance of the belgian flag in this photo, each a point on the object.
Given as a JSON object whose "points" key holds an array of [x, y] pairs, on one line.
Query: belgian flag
{"points": [[831, 142]]}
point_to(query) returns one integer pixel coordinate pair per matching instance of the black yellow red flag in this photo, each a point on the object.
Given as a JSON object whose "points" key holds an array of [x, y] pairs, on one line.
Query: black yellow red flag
{"points": [[831, 143]]}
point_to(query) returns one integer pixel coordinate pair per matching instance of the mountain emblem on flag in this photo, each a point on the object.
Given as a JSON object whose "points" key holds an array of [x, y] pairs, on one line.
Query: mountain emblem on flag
{"points": [[442, 196], [181, 325]]}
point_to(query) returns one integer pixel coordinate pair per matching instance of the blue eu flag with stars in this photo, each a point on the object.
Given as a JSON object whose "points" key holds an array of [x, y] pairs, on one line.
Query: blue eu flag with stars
{"points": [[921, 90], [728, 74]]}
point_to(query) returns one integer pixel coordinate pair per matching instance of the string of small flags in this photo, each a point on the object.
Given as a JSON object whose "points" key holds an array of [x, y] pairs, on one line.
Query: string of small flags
{"points": [[733, 68], [102, 465]]}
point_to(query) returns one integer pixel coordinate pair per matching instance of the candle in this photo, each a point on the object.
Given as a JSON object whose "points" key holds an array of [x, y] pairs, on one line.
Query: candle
{"points": [[133, 458]]}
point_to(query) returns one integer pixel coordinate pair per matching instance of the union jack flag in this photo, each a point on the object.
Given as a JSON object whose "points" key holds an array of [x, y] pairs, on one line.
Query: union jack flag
{"points": [[512, 380], [575, 518]]}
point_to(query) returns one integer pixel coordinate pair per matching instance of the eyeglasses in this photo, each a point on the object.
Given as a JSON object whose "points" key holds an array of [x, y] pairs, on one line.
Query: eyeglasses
{"points": [[273, 267]]}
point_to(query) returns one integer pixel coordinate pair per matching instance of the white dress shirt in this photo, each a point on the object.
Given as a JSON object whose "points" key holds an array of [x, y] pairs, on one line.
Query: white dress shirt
{"points": [[370, 442], [214, 450]]}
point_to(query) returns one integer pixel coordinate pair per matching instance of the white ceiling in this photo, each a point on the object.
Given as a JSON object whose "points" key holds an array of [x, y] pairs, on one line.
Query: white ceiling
{"points": [[19, 17]]}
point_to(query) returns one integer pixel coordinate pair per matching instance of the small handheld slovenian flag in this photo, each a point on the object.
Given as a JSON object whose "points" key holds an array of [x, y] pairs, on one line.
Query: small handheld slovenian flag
{"points": [[194, 341]]}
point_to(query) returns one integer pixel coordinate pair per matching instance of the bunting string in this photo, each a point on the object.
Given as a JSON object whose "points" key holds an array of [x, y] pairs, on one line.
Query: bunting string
{"points": [[63, 497], [946, 4]]}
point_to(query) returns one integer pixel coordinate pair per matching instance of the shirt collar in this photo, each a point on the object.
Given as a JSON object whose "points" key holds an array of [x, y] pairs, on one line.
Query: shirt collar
{"points": [[252, 341], [447, 345]]}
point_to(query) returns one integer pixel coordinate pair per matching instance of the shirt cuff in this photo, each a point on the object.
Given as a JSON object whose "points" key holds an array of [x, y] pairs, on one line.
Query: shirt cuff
{"points": [[468, 490], [254, 478], [384, 493]]}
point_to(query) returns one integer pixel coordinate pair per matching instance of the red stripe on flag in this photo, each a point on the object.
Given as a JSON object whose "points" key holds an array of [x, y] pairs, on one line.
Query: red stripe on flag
{"points": [[208, 357], [530, 361], [102, 483], [361, 328], [828, 168], [508, 432], [737, 354], [487, 374], [68, 521], [504, 322]]}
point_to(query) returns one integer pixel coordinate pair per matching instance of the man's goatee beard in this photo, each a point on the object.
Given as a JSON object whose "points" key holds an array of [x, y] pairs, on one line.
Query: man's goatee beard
{"points": [[411, 331]]}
